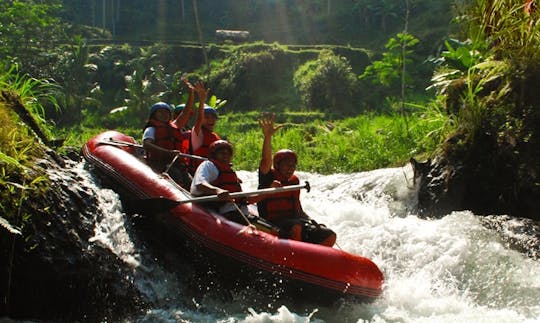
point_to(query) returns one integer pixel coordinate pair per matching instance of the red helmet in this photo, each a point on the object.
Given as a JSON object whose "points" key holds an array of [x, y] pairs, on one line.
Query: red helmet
{"points": [[217, 145], [284, 154]]}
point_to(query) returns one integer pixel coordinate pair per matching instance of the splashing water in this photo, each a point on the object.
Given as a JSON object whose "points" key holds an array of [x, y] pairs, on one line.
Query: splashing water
{"points": [[453, 269]]}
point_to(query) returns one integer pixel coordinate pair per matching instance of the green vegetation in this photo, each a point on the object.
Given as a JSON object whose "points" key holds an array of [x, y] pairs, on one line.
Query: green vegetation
{"points": [[21, 119], [353, 144], [489, 81], [18, 181], [328, 84], [339, 104]]}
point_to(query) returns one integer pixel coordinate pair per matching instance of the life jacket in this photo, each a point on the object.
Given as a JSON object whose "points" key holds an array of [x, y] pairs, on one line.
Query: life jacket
{"points": [[169, 137], [227, 180], [208, 138], [280, 205]]}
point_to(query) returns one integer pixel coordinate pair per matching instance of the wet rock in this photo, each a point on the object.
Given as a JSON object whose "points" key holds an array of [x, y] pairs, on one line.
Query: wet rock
{"points": [[53, 272], [483, 179]]}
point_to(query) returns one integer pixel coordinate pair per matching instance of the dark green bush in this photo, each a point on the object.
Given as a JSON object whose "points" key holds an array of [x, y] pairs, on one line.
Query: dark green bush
{"points": [[328, 84], [255, 76]]}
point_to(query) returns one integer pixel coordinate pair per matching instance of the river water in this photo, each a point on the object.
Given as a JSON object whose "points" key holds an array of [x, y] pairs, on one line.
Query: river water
{"points": [[459, 268]]}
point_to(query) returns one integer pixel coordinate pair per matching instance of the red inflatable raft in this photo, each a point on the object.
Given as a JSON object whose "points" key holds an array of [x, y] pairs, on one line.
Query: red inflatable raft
{"points": [[331, 270]]}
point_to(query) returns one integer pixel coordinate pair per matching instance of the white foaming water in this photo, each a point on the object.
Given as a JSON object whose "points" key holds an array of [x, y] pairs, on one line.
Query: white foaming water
{"points": [[452, 269], [112, 231]]}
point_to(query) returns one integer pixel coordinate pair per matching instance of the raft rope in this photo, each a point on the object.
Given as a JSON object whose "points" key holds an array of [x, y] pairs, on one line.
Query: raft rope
{"points": [[172, 162], [243, 215]]}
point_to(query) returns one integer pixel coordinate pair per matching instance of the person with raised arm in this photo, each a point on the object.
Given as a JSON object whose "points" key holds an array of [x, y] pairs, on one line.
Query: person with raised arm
{"points": [[202, 133], [284, 209], [164, 139]]}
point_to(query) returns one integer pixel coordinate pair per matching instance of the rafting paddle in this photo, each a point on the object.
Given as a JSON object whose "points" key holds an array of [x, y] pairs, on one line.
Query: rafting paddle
{"points": [[163, 203], [119, 143]]}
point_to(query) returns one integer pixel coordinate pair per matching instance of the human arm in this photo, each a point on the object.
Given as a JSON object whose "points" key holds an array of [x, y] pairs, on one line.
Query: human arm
{"points": [[149, 145], [208, 189], [202, 93], [182, 119], [205, 174], [299, 211], [266, 122]]}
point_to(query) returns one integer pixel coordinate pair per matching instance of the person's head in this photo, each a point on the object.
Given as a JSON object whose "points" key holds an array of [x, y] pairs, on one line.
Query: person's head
{"points": [[284, 162], [221, 150], [178, 109], [210, 118], [160, 111]]}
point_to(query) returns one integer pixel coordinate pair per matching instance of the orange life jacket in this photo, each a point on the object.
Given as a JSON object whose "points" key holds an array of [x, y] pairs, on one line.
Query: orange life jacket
{"points": [[169, 137], [227, 180], [280, 205], [208, 138]]}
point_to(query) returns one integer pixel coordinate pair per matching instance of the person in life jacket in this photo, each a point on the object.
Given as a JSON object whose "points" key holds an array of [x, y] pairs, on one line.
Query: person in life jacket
{"points": [[177, 110], [202, 133], [164, 138], [215, 176], [284, 209]]}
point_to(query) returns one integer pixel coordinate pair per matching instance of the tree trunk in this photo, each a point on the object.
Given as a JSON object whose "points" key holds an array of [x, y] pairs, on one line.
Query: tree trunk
{"points": [[196, 14]]}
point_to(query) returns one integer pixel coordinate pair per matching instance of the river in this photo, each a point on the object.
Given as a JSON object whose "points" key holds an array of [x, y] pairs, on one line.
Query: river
{"points": [[459, 268]]}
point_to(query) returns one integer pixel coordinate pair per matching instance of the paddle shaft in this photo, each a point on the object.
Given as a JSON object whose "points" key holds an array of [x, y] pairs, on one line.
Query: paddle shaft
{"points": [[130, 144], [264, 191]]}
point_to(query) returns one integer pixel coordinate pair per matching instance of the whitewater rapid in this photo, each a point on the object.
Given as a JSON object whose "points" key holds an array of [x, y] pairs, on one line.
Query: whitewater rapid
{"points": [[452, 269]]}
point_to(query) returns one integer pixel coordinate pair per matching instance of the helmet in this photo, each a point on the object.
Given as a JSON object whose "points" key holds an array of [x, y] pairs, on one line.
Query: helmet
{"points": [[209, 109], [217, 145], [159, 105], [179, 108], [283, 154]]}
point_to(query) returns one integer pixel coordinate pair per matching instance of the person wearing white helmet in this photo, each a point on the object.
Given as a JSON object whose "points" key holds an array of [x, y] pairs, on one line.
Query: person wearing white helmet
{"points": [[202, 133]]}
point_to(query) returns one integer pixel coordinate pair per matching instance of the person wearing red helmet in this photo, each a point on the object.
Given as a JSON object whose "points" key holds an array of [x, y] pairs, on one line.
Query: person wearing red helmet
{"points": [[284, 209], [215, 176]]}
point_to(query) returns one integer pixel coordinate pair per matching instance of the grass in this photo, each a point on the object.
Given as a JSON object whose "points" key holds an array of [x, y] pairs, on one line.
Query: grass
{"points": [[361, 143], [18, 149], [355, 144]]}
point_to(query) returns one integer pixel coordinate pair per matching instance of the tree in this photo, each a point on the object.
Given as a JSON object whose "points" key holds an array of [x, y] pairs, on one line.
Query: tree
{"points": [[29, 29], [327, 83], [387, 71]]}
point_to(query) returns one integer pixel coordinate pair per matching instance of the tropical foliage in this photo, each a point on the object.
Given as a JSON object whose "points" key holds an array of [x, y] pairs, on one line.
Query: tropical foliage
{"points": [[29, 30], [485, 78], [328, 84], [480, 74], [18, 183]]}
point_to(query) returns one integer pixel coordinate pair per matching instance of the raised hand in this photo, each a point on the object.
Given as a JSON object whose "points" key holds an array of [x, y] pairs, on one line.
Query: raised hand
{"points": [[188, 84], [202, 92], [266, 122]]}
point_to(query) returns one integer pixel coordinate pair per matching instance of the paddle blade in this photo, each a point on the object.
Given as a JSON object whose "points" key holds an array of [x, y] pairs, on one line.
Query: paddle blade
{"points": [[152, 205]]}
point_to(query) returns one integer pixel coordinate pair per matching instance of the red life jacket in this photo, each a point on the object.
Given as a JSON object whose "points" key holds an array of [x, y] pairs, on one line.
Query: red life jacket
{"points": [[208, 138], [169, 137], [227, 178], [281, 205]]}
